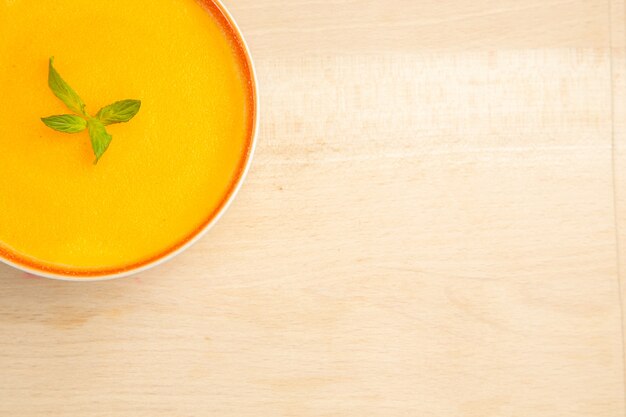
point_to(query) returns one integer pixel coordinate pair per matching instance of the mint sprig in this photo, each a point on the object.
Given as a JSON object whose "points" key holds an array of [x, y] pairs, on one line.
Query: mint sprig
{"points": [[118, 112]]}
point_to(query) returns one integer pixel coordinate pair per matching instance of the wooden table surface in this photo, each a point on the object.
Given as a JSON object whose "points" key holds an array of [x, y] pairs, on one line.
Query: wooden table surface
{"points": [[434, 225]]}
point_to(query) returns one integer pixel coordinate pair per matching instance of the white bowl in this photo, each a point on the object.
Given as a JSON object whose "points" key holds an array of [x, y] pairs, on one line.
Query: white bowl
{"points": [[169, 255]]}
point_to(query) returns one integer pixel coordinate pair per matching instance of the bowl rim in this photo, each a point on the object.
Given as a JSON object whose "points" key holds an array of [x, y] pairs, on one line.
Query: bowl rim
{"points": [[168, 256]]}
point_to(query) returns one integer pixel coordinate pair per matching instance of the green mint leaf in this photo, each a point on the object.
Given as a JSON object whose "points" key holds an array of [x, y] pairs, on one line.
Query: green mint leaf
{"points": [[63, 91], [67, 123], [119, 112], [100, 138]]}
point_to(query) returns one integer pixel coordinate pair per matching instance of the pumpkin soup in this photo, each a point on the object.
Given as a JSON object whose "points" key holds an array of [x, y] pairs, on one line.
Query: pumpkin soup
{"points": [[165, 175]]}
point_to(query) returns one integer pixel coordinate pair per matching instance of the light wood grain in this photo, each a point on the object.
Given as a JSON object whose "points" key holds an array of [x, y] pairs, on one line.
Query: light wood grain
{"points": [[618, 73], [429, 229]]}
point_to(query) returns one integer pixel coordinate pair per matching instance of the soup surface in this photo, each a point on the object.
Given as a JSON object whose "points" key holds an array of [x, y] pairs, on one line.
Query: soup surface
{"points": [[166, 173]]}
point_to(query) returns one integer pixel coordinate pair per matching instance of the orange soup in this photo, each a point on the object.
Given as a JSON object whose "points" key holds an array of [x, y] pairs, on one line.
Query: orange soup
{"points": [[166, 174]]}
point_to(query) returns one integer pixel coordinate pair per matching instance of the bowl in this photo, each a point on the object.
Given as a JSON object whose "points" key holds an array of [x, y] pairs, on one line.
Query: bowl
{"points": [[47, 270]]}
